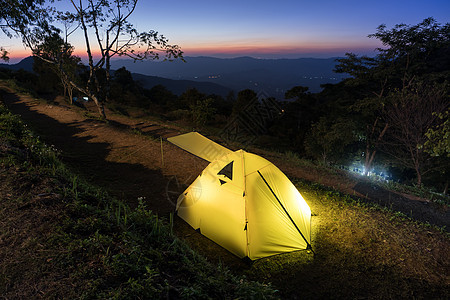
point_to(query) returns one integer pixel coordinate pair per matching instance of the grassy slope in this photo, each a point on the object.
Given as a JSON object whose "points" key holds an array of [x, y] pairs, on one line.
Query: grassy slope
{"points": [[61, 238], [361, 251]]}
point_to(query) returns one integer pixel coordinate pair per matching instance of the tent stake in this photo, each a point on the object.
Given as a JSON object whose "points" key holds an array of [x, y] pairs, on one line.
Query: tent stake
{"points": [[162, 153]]}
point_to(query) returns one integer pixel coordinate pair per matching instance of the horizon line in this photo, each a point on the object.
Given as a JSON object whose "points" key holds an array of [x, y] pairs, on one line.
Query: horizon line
{"points": [[18, 59]]}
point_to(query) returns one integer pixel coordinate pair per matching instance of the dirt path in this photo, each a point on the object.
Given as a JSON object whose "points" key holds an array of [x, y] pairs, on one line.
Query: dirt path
{"points": [[133, 165], [128, 165]]}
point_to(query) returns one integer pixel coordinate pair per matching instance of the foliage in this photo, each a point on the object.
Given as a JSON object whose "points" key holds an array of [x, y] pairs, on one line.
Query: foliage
{"points": [[105, 25], [160, 95], [411, 56], [4, 54], [190, 97], [329, 141], [202, 111], [412, 112], [420, 49], [297, 117], [24, 16], [124, 90], [243, 98], [297, 92], [17, 15], [438, 137]]}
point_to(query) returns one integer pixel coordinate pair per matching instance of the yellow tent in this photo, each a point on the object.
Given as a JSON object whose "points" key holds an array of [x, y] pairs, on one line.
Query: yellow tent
{"points": [[243, 202]]}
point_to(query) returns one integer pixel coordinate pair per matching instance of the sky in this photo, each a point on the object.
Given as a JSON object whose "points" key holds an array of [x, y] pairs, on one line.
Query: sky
{"points": [[270, 29]]}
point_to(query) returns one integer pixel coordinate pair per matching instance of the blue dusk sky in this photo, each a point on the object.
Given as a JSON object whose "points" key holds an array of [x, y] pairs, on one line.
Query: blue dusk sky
{"points": [[271, 29]]}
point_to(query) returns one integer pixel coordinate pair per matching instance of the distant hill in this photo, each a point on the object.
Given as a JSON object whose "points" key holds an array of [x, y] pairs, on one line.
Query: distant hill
{"points": [[25, 64], [175, 86], [274, 76], [220, 76], [179, 86]]}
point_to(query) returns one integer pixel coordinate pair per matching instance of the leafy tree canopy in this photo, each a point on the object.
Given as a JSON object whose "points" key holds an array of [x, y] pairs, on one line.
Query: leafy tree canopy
{"points": [[410, 67]]}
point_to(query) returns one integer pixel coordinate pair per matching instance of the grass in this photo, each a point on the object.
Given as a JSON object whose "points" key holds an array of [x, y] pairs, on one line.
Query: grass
{"points": [[64, 238], [361, 251]]}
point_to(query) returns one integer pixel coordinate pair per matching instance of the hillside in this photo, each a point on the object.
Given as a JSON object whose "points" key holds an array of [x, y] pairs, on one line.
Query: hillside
{"points": [[175, 86], [180, 86], [25, 64], [361, 250]]}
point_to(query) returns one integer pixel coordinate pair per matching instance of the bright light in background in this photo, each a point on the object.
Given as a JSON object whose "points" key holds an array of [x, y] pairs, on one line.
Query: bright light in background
{"points": [[286, 28], [377, 172]]}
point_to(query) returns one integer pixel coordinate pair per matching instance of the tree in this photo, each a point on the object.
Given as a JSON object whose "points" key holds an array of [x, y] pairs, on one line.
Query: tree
{"points": [[329, 140], [410, 53], [190, 97], [4, 54], [202, 111], [298, 116], [369, 84], [413, 111], [21, 16], [438, 137], [159, 94], [413, 50], [65, 66], [243, 98], [438, 144], [297, 92], [106, 31]]}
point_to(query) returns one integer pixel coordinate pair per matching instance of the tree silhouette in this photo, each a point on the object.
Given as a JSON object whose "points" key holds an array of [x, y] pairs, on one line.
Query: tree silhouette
{"points": [[21, 16], [107, 33], [409, 55]]}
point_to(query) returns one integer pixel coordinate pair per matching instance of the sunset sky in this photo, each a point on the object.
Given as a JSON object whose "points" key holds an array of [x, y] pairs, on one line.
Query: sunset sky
{"points": [[271, 29]]}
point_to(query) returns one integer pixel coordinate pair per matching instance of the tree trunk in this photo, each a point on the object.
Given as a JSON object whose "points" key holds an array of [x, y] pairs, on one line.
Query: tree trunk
{"points": [[101, 110], [65, 90], [445, 188], [419, 177], [370, 156], [369, 159], [70, 91], [324, 158], [100, 107], [108, 76]]}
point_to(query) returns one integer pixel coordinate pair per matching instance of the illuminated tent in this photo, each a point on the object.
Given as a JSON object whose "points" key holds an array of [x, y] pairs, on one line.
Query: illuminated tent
{"points": [[243, 202]]}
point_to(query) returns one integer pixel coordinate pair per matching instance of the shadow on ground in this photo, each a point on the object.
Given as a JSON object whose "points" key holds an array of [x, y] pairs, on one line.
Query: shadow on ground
{"points": [[87, 158]]}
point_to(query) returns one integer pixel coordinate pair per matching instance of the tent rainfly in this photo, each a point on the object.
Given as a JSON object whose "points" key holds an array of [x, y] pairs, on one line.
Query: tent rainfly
{"points": [[243, 202]]}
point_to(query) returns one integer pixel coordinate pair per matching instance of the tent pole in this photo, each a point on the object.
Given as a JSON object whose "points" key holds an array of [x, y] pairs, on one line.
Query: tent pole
{"points": [[308, 245]]}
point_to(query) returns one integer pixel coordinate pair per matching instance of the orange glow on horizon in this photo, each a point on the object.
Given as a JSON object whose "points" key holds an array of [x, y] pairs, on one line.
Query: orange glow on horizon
{"points": [[18, 53], [321, 50], [229, 50]]}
